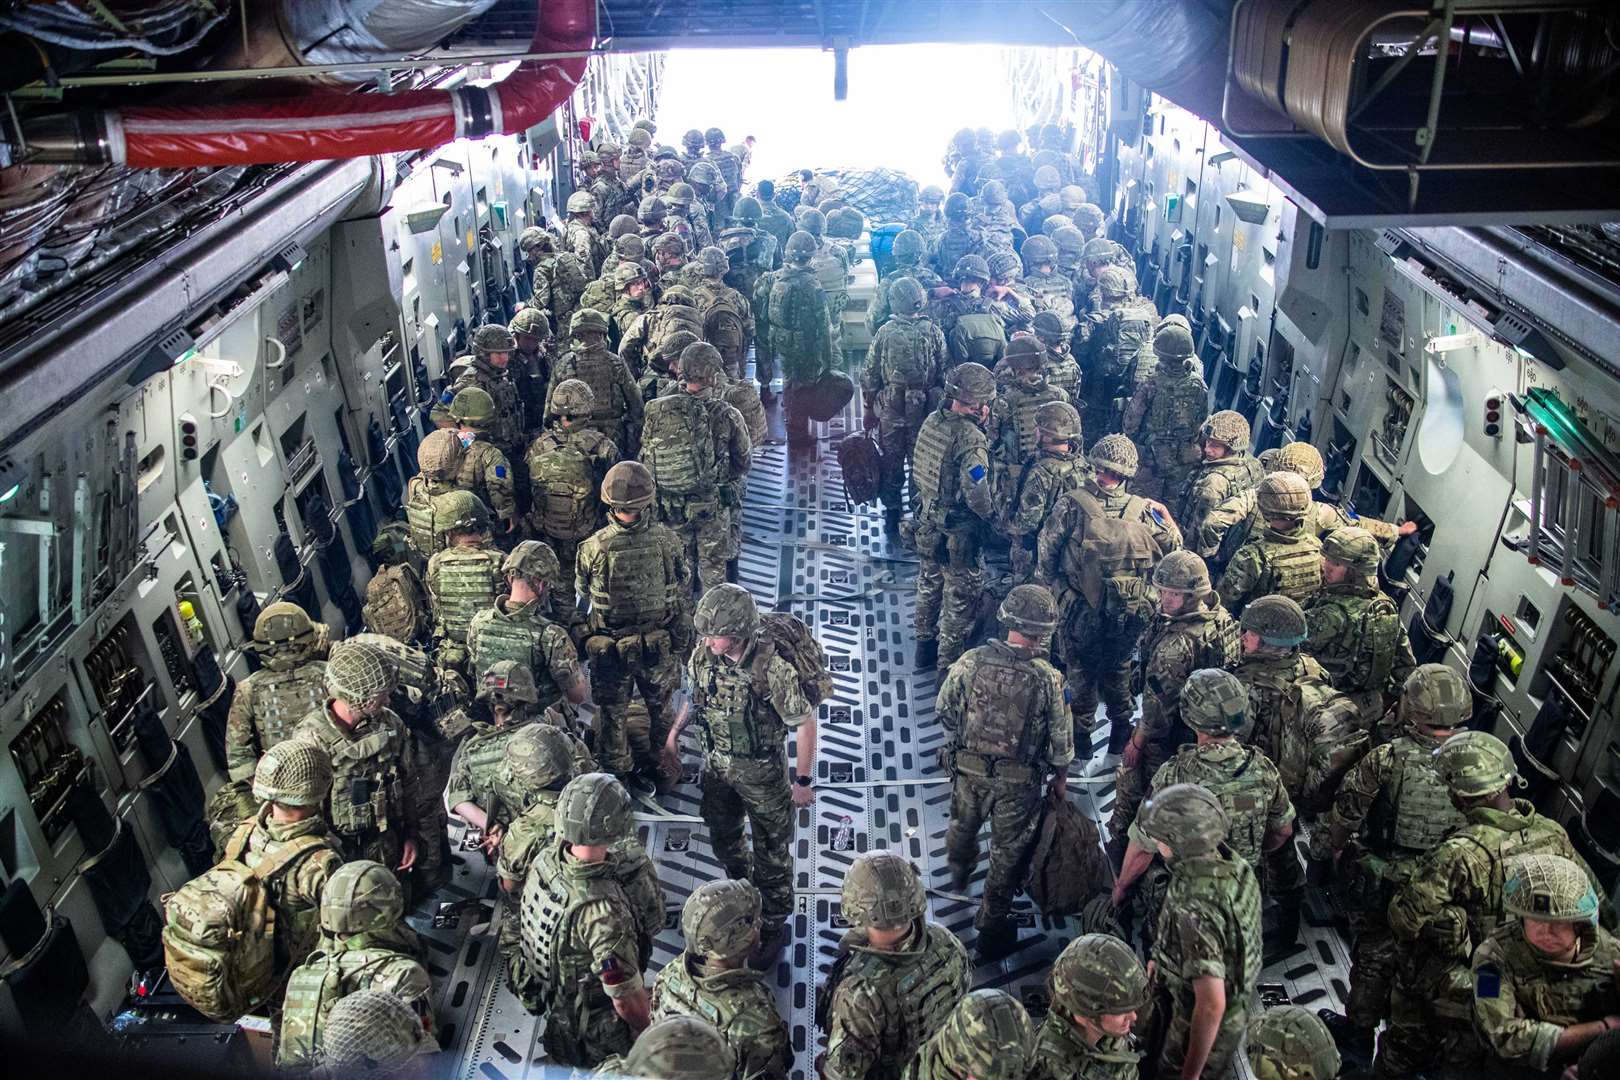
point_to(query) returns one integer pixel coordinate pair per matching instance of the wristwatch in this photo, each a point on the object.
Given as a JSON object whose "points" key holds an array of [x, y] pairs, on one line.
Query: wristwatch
{"points": [[803, 781]]}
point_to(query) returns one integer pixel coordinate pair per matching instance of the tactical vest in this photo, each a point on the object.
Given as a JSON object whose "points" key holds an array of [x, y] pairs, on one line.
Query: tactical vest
{"points": [[723, 323], [923, 988], [831, 271], [1413, 810], [953, 243], [1289, 565], [1237, 781], [980, 337], [367, 783], [314, 987], [473, 475], [505, 427], [1554, 993], [552, 899], [635, 589], [933, 464], [1179, 408], [516, 634], [1128, 327], [730, 168], [564, 484], [1054, 293], [598, 369], [421, 495], [1363, 654], [281, 697], [730, 702], [680, 993], [1006, 700], [1022, 403], [1535, 835], [904, 354], [678, 446], [481, 755], [468, 580], [666, 319]]}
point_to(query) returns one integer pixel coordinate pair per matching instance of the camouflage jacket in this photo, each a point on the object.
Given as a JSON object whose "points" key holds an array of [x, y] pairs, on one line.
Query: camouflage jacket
{"points": [[486, 472], [791, 321], [617, 413], [477, 760], [1052, 292], [1523, 1000], [744, 709], [1067, 523], [268, 704], [1062, 1053], [1047, 477], [507, 426], [951, 467], [643, 338], [1211, 484], [1248, 786], [1174, 648], [462, 581], [1273, 561], [337, 968], [1209, 925], [295, 895], [906, 356], [873, 1026], [585, 243], [1375, 793], [1048, 730], [525, 634], [372, 786], [578, 925], [738, 1003], [1357, 635], [878, 311]]}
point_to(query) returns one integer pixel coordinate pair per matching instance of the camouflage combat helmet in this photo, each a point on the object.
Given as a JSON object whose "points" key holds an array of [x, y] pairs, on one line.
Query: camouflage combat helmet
{"points": [[391, 546], [1548, 888], [1004, 266], [1305, 459], [711, 262], [623, 225], [681, 1046], [1289, 1042], [293, 773], [810, 220], [971, 266], [932, 194], [714, 136], [588, 319], [361, 897], [1058, 421], [593, 810], [971, 384], [609, 151], [590, 157], [530, 321], [800, 247], [1039, 251], [472, 406], [748, 211], [678, 296], [705, 174], [627, 274], [680, 195], [532, 239], [1435, 696], [1024, 354], [440, 454], [581, 202], [1115, 453], [462, 511], [284, 628], [1186, 818], [720, 918], [884, 891], [1283, 495], [987, 1036], [573, 397], [1047, 178], [993, 193], [651, 209], [509, 681], [1214, 702], [906, 296], [956, 206], [540, 756], [493, 338], [356, 672], [669, 170], [1172, 342], [1097, 249], [1029, 609], [628, 486], [726, 610], [701, 363], [1228, 428], [909, 247], [1087, 216], [1473, 763], [1268, 459], [1353, 547], [534, 560], [1183, 571], [1113, 284], [641, 133], [674, 344], [846, 223], [1056, 223], [1175, 319], [1278, 620], [630, 246], [1048, 328], [1099, 975], [370, 1032], [693, 139], [1070, 241]]}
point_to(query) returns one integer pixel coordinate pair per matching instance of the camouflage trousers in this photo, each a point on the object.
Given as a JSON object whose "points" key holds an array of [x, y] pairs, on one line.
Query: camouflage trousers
{"points": [[1373, 959], [1172, 1025], [430, 768], [584, 1030], [836, 303], [1093, 675], [755, 789], [950, 579], [1431, 1021], [652, 669], [1013, 807], [705, 530], [564, 602], [1131, 785], [900, 414]]}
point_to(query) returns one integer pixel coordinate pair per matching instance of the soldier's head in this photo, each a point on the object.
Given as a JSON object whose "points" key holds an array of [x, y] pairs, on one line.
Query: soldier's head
{"points": [[609, 154], [993, 193], [1349, 554], [721, 922], [631, 279], [1096, 256], [1113, 460], [1056, 225], [530, 567], [573, 402], [883, 894], [1185, 820], [589, 327], [712, 263], [508, 688], [1047, 179], [1214, 704], [972, 275], [1173, 345], [392, 545], [530, 328], [593, 813], [799, 249], [1025, 357], [1099, 984], [810, 220], [1182, 581], [284, 635], [930, 198], [971, 388], [1005, 268], [1305, 459], [956, 208], [668, 357], [538, 758], [359, 680], [727, 619], [1477, 769], [1223, 435], [1029, 614], [1040, 254], [693, 141], [706, 178], [1289, 1042], [701, 367], [715, 138], [987, 1037], [906, 297], [679, 197], [493, 344], [590, 163], [370, 1033], [1057, 426], [1273, 626], [962, 141], [1284, 498], [361, 897], [1113, 285], [668, 251], [984, 140], [1435, 700], [747, 211], [1554, 900], [534, 242], [582, 206], [628, 490], [670, 172], [294, 777], [846, 223], [622, 225], [1088, 217], [462, 517], [681, 1046], [439, 456], [651, 211], [1048, 327], [910, 248], [473, 409]]}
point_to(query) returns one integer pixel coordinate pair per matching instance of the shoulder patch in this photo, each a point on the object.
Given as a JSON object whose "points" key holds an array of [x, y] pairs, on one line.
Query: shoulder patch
{"points": [[976, 474], [500, 472], [1488, 982]]}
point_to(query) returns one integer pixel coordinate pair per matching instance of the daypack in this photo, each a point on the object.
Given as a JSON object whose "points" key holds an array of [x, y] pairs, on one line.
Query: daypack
{"points": [[861, 461], [565, 505], [677, 445], [978, 337], [1115, 559], [794, 642], [396, 603], [1126, 330], [723, 328], [219, 934], [1067, 868], [743, 396]]}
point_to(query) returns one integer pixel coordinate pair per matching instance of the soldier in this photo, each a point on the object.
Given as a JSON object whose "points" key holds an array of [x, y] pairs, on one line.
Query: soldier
{"points": [[909, 255], [615, 401], [581, 929], [1545, 982], [928, 220], [1009, 301], [1097, 987], [629, 248], [1088, 217], [954, 239], [1048, 290], [558, 278], [1008, 715], [635, 158], [1453, 903], [1355, 630], [534, 354], [518, 628], [726, 318], [1288, 1042], [608, 187], [1284, 558], [488, 368], [372, 1032], [1054, 470], [635, 574], [773, 219], [691, 147], [991, 220], [1206, 953], [633, 297], [371, 806], [711, 979], [1021, 391], [663, 373], [729, 167], [986, 1037], [1166, 411], [650, 214], [790, 316], [830, 264], [464, 578], [438, 460], [676, 1048], [485, 470], [967, 317], [668, 251], [1119, 323], [567, 463], [749, 248], [710, 186], [689, 221], [580, 236], [1061, 370], [1305, 459], [506, 689], [364, 945], [1225, 470], [951, 468], [896, 978], [903, 372], [1044, 201], [1071, 246], [676, 310]]}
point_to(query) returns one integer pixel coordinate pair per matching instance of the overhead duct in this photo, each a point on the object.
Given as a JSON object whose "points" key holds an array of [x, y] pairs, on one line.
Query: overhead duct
{"points": [[331, 124]]}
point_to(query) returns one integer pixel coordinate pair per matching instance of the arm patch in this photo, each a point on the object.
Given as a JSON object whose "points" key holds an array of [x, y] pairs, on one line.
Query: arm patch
{"points": [[500, 472], [1488, 982], [976, 474]]}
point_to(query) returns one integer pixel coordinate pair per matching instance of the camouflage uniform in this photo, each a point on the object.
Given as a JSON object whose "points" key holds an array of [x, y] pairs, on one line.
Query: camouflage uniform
{"points": [[557, 281], [506, 426], [726, 315], [901, 379], [986, 1037], [475, 771], [270, 702], [1287, 561], [971, 324], [567, 464], [1356, 630], [462, 580], [1021, 391], [1323, 518], [524, 634], [791, 319], [1044, 479], [908, 255], [1096, 975], [1289, 1042], [617, 403], [954, 239], [1107, 340], [1166, 411], [1212, 484], [579, 238], [485, 470], [830, 265], [674, 311], [439, 460], [1048, 290]]}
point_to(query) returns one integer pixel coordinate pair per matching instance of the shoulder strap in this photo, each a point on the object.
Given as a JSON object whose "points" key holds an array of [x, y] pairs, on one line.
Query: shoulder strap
{"points": [[238, 841], [294, 849]]}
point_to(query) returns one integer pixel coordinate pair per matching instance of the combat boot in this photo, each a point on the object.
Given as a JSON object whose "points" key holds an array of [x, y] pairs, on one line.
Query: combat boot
{"points": [[1285, 934], [927, 654], [773, 938], [996, 942], [1350, 1036]]}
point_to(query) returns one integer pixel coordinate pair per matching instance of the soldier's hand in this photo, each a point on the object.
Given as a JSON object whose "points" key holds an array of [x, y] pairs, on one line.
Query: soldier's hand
{"points": [[408, 857], [803, 795], [512, 523], [492, 839], [1132, 755], [1060, 784], [1407, 528], [1119, 896]]}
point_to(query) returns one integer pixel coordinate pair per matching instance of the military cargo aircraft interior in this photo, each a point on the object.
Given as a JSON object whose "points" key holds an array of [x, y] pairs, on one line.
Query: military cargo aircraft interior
{"points": [[946, 539]]}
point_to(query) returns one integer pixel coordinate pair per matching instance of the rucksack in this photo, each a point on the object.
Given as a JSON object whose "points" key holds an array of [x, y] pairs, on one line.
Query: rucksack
{"points": [[860, 459], [978, 337], [723, 328], [825, 398], [794, 642], [1236, 535], [396, 604], [1115, 559], [677, 445], [1127, 329], [219, 933], [565, 504], [743, 396], [1067, 868]]}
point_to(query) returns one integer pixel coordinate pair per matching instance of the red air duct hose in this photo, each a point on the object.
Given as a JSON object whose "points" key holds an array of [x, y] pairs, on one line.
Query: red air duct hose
{"points": [[329, 124]]}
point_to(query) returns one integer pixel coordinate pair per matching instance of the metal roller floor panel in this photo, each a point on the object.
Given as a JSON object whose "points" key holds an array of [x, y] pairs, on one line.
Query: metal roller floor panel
{"points": [[879, 787]]}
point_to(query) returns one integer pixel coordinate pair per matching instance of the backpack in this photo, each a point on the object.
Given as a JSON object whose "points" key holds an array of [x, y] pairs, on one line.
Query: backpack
{"points": [[565, 504], [1236, 535], [1067, 868], [219, 934], [825, 398], [723, 328], [794, 642], [743, 396], [1127, 329], [979, 337], [396, 603], [860, 459], [1116, 557], [677, 445]]}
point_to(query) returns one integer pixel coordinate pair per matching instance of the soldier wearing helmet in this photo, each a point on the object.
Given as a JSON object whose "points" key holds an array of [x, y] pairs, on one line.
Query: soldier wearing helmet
{"points": [[1007, 712], [691, 147], [792, 322], [557, 279], [1305, 459], [1061, 369], [968, 316], [687, 216], [567, 463], [634, 157], [773, 219], [518, 628], [1288, 1042], [370, 1031], [904, 369], [751, 249], [581, 236], [485, 471], [955, 239], [636, 577], [464, 578], [634, 294], [897, 975], [1225, 474], [438, 462], [650, 214], [1355, 629], [488, 368], [1283, 557], [1117, 327], [929, 220], [1021, 391], [607, 187], [727, 317], [1545, 984], [1168, 402], [991, 219], [534, 353], [1042, 200], [1206, 953], [830, 263], [365, 945], [711, 978], [1453, 903], [1053, 470], [986, 1037], [1048, 290], [371, 807], [951, 468], [615, 400], [1097, 988], [727, 164], [583, 931], [908, 259], [675, 310]]}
